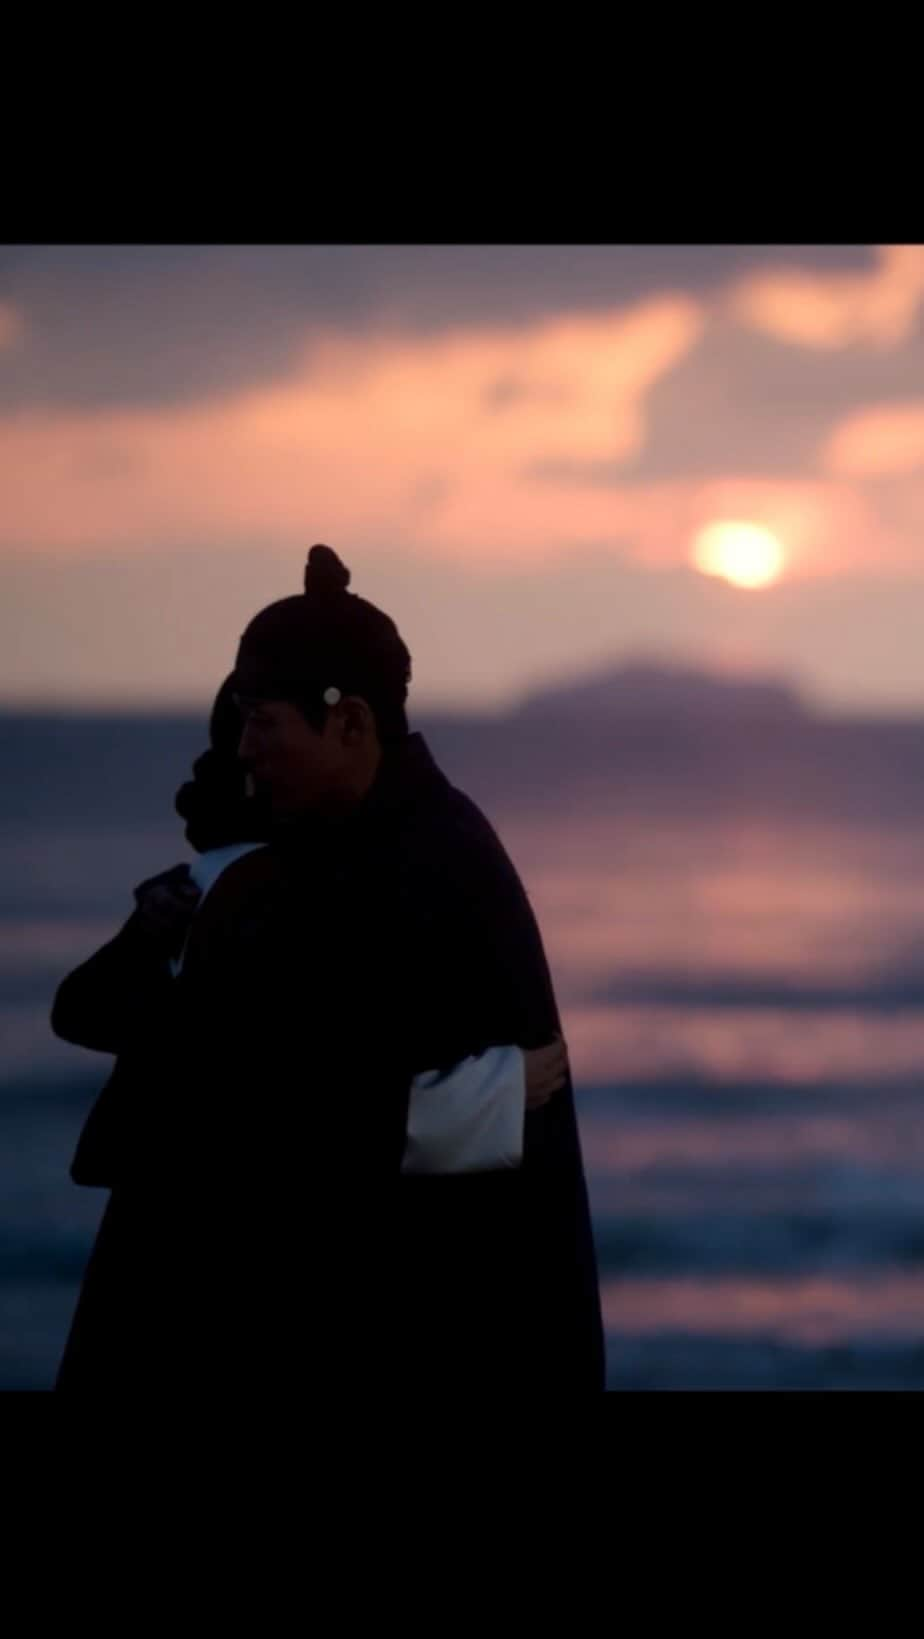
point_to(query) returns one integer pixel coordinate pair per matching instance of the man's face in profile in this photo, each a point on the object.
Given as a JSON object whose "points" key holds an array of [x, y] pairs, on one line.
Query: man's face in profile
{"points": [[299, 768]]}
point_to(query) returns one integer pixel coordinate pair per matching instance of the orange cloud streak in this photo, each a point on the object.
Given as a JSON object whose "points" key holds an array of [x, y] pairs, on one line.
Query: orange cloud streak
{"points": [[877, 442], [830, 310]]}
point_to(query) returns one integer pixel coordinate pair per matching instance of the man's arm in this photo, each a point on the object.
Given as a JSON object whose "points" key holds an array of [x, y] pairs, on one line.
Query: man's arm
{"points": [[509, 986], [471, 1118], [97, 1005], [475, 1002], [101, 1004], [507, 974], [502, 982]]}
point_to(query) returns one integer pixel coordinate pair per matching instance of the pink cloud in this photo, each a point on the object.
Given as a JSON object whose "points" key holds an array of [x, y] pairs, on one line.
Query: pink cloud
{"points": [[830, 310], [381, 438], [879, 441]]}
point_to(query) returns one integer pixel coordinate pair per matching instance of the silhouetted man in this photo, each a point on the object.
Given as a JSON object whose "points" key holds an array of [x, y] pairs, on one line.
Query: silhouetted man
{"points": [[383, 932]]}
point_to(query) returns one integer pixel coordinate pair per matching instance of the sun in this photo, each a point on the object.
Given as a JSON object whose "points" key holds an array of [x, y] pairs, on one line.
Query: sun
{"points": [[744, 554]]}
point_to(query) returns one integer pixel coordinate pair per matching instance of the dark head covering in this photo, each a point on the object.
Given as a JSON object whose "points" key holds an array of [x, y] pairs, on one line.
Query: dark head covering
{"points": [[215, 803], [325, 639]]}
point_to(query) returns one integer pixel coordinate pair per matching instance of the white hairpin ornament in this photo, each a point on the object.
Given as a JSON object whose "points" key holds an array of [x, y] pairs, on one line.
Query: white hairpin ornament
{"points": [[331, 696]]}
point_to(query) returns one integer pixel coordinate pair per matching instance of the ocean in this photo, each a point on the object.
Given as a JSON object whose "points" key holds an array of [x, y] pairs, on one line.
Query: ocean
{"points": [[741, 977]]}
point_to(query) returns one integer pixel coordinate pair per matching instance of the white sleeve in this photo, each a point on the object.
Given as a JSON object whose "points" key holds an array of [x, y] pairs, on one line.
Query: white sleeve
{"points": [[470, 1120]]}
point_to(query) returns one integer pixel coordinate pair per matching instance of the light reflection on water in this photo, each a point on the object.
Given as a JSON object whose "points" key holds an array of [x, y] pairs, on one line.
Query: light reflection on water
{"points": [[813, 1311], [714, 1142], [773, 1200], [813, 903], [730, 1044]]}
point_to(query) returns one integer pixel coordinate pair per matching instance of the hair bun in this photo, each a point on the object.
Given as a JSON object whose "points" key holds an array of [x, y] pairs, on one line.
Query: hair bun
{"points": [[325, 575]]}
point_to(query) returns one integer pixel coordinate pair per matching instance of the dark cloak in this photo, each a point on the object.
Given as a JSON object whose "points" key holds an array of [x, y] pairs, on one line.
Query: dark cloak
{"points": [[260, 1233]]}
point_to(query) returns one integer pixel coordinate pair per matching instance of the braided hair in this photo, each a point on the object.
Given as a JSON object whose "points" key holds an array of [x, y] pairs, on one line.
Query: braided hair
{"points": [[215, 803]]}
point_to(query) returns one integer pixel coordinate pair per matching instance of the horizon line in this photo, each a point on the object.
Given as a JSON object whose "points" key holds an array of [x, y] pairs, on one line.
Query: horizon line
{"points": [[65, 708]]}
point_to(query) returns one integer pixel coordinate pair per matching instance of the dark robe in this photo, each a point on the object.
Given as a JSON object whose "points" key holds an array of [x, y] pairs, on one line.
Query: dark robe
{"points": [[260, 1232], [112, 1003]]}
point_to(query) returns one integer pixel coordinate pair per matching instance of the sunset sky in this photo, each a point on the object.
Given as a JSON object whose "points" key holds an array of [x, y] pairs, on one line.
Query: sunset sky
{"points": [[536, 458]]}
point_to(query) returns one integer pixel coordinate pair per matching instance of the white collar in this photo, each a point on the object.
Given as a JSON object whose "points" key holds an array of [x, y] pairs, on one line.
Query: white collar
{"points": [[207, 867]]}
